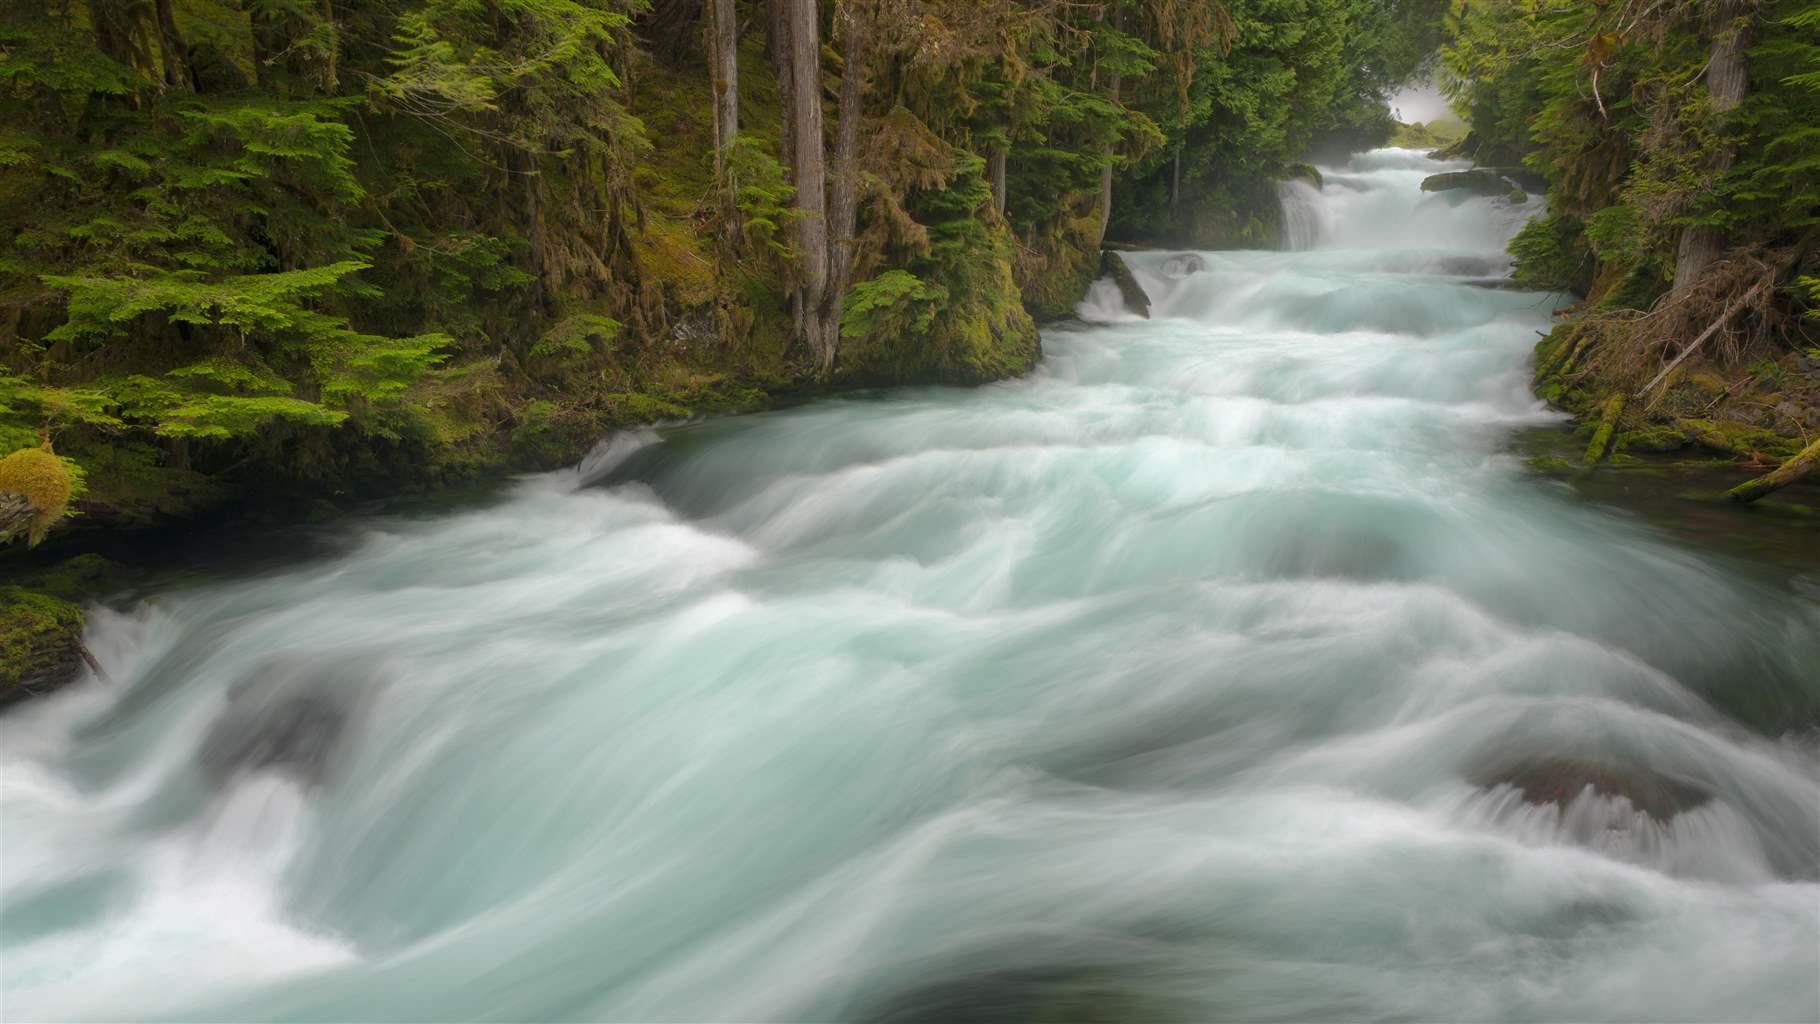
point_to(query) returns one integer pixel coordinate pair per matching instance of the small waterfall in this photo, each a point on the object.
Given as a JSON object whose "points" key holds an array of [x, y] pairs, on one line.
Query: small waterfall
{"points": [[1303, 218]]}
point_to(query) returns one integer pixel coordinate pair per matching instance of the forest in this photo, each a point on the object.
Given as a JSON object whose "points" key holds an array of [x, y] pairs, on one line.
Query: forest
{"points": [[1682, 153], [264, 249]]}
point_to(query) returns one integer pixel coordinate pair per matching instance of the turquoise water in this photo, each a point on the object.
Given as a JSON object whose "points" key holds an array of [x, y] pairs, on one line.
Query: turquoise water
{"points": [[1224, 668]]}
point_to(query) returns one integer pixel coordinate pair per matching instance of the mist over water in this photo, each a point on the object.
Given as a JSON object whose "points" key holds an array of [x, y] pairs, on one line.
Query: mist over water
{"points": [[1225, 668]]}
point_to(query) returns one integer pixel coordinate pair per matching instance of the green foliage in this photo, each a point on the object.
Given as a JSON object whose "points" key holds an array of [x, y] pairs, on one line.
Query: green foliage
{"points": [[763, 195], [1552, 255], [1610, 102], [896, 305]]}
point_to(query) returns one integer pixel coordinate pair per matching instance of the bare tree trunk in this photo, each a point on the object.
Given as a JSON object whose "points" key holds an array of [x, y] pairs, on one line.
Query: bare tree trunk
{"points": [[1118, 22], [1175, 183], [999, 158], [723, 34], [810, 172], [777, 47], [843, 197], [1727, 81]]}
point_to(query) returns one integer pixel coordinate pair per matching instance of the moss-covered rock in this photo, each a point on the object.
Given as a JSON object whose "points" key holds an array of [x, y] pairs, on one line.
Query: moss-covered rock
{"points": [[40, 641]]}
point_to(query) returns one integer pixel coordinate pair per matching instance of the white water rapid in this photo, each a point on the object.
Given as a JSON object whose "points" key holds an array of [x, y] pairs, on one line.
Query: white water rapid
{"points": [[1225, 668]]}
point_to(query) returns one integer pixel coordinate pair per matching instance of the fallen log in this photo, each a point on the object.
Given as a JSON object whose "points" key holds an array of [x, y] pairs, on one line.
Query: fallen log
{"points": [[1113, 266], [1608, 422], [1804, 462]]}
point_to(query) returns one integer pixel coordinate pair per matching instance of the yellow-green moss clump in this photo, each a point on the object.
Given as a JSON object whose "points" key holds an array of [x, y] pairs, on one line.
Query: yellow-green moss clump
{"points": [[41, 479]]}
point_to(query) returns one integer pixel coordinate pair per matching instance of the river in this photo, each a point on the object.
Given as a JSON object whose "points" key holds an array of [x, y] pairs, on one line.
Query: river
{"points": [[1230, 666]]}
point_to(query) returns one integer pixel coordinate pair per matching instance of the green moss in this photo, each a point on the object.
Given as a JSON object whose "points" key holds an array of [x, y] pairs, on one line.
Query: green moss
{"points": [[1740, 439], [1608, 421], [39, 635], [1551, 465], [1651, 439]]}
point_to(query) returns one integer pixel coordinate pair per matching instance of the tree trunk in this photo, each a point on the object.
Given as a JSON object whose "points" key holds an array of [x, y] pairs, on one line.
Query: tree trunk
{"points": [[176, 56], [723, 33], [16, 513], [1175, 183], [999, 157], [1118, 23], [777, 47], [1727, 81], [808, 165], [843, 198]]}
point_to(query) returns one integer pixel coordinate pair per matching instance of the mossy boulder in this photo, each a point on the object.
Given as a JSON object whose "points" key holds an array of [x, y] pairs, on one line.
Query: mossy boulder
{"points": [[40, 642]]}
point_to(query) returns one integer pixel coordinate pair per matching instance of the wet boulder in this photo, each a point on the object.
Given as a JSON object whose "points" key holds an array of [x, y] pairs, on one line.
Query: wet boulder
{"points": [[1184, 263], [1559, 781], [1478, 181]]}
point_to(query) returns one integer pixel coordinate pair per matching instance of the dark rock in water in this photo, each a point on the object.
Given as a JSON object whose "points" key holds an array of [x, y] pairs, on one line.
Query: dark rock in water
{"points": [[1524, 178], [1559, 781], [1477, 181], [1113, 266], [1467, 266], [1184, 263], [292, 726], [1032, 995]]}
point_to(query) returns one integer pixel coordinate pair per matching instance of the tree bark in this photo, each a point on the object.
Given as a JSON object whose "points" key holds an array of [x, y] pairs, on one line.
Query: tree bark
{"points": [[777, 48], [1794, 469], [1175, 183], [808, 165], [843, 198], [999, 158], [16, 513], [1112, 79], [176, 55], [1727, 82], [723, 32]]}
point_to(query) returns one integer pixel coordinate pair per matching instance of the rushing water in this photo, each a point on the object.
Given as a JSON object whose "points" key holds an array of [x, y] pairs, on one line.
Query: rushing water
{"points": [[1225, 668]]}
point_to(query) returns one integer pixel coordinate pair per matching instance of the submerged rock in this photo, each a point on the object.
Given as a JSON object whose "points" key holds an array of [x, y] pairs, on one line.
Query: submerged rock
{"points": [[1559, 781], [288, 725], [1184, 263], [1024, 995]]}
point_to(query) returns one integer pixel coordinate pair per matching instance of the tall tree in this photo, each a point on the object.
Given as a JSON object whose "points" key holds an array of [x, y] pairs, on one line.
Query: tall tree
{"points": [[723, 35], [808, 164], [1727, 80]]}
